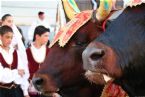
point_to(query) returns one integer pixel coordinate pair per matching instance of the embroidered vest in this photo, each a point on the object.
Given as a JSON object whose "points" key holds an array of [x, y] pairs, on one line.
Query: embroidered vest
{"points": [[14, 63], [32, 64]]}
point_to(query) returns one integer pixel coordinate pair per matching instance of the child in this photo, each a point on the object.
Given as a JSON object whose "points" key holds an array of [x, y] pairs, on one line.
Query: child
{"points": [[38, 47], [13, 74]]}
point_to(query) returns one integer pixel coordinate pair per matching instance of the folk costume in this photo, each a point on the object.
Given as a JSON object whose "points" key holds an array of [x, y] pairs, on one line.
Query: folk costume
{"points": [[11, 83], [35, 58], [18, 44]]}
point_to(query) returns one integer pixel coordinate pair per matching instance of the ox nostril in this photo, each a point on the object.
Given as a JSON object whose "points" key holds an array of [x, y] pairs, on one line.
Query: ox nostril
{"points": [[97, 54], [91, 55]]}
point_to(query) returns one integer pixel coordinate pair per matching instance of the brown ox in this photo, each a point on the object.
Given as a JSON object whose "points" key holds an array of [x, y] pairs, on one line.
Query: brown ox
{"points": [[62, 70]]}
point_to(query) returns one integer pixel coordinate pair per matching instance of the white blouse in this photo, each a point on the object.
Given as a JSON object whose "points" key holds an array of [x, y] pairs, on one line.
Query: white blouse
{"points": [[7, 75], [38, 54]]}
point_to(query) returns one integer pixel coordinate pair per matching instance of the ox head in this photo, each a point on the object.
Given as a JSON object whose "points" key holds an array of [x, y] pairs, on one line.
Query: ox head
{"points": [[120, 52], [63, 66]]}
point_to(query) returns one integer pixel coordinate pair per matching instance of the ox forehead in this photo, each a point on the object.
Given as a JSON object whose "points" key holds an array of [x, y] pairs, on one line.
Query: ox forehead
{"points": [[124, 39]]}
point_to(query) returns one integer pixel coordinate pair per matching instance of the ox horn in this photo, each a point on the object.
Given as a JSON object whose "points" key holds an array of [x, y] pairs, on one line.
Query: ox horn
{"points": [[104, 9]]}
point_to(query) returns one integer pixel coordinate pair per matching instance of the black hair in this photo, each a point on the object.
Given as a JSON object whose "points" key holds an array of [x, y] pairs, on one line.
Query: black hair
{"points": [[40, 13], [5, 16], [39, 30], [5, 29]]}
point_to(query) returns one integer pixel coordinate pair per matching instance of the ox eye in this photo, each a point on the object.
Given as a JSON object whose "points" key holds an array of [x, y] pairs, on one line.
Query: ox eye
{"points": [[80, 43]]}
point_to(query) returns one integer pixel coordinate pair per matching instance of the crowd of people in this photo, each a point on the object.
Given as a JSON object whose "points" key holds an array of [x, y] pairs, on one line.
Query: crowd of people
{"points": [[18, 63]]}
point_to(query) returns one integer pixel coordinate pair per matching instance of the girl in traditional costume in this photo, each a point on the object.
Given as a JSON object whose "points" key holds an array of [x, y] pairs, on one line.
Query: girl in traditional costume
{"points": [[13, 73]]}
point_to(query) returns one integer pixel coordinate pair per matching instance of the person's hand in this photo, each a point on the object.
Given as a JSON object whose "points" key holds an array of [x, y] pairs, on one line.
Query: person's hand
{"points": [[27, 96], [32, 90], [55, 95], [21, 72]]}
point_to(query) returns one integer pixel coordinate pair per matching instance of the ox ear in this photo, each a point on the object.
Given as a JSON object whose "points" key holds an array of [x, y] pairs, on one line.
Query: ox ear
{"points": [[104, 10]]}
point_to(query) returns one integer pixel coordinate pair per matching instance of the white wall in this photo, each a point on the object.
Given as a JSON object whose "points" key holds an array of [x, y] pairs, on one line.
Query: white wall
{"points": [[0, 9], [24, 12]]}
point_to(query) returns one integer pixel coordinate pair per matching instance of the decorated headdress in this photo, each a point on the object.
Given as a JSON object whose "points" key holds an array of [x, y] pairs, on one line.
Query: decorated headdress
{"points": [[66, 32]]}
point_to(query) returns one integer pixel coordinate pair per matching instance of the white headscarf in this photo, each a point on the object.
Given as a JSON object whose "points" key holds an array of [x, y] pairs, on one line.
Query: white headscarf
{"points": [[17, 40]]}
